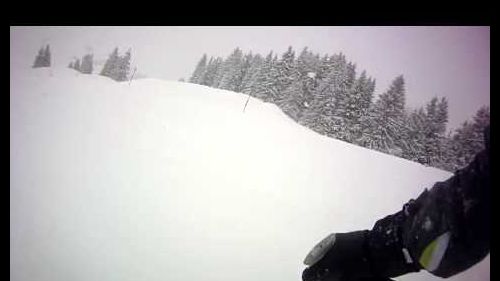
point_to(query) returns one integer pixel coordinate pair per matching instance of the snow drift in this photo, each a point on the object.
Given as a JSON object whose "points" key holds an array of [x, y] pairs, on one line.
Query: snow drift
{"points": [[158, 180]]}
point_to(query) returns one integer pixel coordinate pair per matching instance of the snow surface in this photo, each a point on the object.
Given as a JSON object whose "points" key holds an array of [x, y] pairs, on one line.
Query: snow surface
{"points": [[161, 180]]}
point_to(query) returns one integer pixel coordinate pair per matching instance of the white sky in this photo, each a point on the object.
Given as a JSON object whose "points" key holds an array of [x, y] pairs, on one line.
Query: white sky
{"points": [[436, 61]]}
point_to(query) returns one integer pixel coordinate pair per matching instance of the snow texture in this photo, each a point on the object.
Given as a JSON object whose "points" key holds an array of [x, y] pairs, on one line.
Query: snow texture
{"points": [[162, 180]]}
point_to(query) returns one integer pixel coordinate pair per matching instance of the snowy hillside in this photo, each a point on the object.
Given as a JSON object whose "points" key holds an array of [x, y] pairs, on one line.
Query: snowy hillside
{"points": [[161, 180]]}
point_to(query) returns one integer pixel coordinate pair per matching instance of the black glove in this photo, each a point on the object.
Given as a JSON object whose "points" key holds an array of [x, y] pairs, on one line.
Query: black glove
{"points": [[340, 257]]}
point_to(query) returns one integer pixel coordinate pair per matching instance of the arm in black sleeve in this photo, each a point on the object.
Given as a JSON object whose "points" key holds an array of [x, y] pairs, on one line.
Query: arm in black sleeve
{"points": [[445, 230]]}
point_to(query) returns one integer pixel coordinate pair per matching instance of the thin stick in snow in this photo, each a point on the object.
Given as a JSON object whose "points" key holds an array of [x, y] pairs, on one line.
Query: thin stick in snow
{"points": [[132, 77], [246, 102]]}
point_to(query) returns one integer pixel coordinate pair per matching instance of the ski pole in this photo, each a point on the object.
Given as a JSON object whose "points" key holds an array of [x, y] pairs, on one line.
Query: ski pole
{"points": [[246, 102]]}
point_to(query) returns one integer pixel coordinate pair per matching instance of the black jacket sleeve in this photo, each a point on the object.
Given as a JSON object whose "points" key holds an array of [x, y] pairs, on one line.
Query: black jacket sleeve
{"points": [[445, 230]]}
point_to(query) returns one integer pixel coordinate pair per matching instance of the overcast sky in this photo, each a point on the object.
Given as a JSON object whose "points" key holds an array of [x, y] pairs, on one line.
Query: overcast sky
{"points": [[453, 62]]}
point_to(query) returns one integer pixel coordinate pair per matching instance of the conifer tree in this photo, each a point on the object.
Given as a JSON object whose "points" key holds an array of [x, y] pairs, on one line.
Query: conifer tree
{"points": [[423, 137], [442, 116], [436, 119], [208, 73], [324, 67], [328, 110], [87, 64], [366, 119], [351, 74], [39, 59], [77, 65], [389, 115], [359, 99], [232, 71], [258, 85], [298, 96], [123, 67], [469, 138], [245, 69], [287, 73], [110, 66], [414, 143], [251, 75], [265, 84], [287, 69], [211, 71], [46, 57], [219, 72], [199, 72]]}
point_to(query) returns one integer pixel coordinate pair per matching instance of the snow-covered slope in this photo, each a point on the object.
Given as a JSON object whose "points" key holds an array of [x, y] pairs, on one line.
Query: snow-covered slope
{"points": [[162, 180]]}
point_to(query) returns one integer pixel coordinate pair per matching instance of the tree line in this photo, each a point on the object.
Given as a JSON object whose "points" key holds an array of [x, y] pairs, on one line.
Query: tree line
{"points": [[116, 67], [327, 95]]}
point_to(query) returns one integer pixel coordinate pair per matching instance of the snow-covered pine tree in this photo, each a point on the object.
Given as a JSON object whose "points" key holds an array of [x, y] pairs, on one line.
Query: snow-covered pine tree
{"points": [[308, 68], [212, 71], [437, 117], [292, 97], [389, 114], [321, 110], [351, 74], [464, 140], [469, 138], [123, 67], [232, 71], [110, 66], [414, 143], [330, 100], [251, 75], [423, 138], [302, 63], [287, 74], [344, 104], [245, 71], [257, 87], [208, 73], [273, 81], [324, 67], [70, 65], [366, 119], [447, 161], [442, 116], [87, 64], [359, 99], [308, 64], [219, 72], [481, 120], [314, 115], [39, 60], [199, 71], [287, 68], [46, 57], [265, 85], [77, 66], [298, 96]]}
